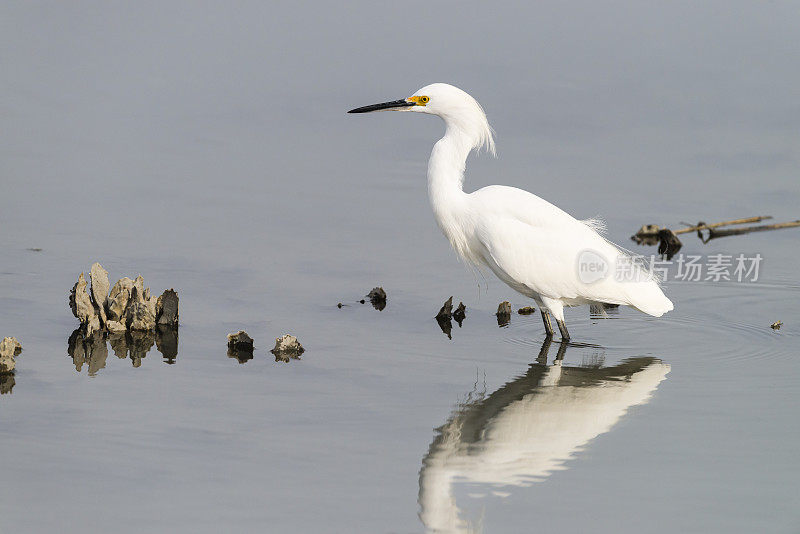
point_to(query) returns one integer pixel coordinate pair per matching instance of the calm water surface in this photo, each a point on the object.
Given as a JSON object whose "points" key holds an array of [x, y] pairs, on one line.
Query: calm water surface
{"points": [[207, 149]]}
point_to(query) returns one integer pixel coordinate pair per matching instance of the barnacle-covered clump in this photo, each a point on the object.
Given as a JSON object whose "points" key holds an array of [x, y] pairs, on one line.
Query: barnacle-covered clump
{"points": [[9, 349], [128, 306]]}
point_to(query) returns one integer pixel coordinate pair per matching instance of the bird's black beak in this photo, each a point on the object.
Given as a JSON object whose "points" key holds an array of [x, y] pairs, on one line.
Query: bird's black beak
{"points": [[385, 105]]}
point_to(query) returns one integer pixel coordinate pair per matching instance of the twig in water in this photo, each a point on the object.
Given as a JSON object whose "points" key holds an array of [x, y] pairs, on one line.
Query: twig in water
{"points": [[713, 233]]}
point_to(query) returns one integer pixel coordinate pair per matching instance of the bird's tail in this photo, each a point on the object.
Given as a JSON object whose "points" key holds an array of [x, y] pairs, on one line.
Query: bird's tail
{"points": [[647, 297]]}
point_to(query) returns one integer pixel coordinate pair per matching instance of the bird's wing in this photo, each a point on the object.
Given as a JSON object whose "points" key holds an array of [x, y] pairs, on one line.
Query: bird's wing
{"points": [[530, 242], [531, 256], [521, 205]]}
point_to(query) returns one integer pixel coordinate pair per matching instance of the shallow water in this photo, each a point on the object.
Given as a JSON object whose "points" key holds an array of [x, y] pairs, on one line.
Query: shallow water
{"points": [[208, 150]]}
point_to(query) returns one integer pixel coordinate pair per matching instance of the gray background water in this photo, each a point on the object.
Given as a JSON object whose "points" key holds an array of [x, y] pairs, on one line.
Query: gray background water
{"points": [[206, 146]]}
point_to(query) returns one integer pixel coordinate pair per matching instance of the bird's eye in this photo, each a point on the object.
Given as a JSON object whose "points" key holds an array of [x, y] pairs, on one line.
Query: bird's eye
{"points": [[424, 99]]}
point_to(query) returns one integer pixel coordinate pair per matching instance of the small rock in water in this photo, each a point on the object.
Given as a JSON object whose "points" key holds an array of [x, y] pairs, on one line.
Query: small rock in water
{"points": [[460, 313], [240, 346], [503, 313], [167, 309], [240, 340], [378, 298], [446, 311], [527, 310], [776, 325], [9, 349], [339, 305], [287, 347]]}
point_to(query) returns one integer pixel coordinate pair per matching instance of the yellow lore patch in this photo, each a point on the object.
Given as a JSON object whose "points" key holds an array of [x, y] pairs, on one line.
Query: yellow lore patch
{"points": [[419, 100]]}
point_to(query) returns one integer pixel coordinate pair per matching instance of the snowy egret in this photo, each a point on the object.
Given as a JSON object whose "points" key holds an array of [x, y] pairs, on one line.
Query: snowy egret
{"points": [[533, 246]]}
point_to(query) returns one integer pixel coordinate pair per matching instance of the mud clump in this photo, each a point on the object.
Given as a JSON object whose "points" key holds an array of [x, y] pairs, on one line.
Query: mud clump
{"points": [[126, 307], [287, 348], [503, 313], [9, 349], [775, 326], [527, 310]]}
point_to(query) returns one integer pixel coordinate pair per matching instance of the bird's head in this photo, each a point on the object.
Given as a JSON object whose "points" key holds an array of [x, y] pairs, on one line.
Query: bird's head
{"points": [[456, 107]]}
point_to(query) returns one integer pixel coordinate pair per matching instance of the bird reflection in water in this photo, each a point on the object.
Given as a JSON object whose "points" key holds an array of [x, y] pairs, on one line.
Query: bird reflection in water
{"points": [[93, 351], [528, 428]]}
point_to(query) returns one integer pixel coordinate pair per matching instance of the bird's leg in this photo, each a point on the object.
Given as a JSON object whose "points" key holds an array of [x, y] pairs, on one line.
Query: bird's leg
{"points": [[563, 327], [546, 318]]}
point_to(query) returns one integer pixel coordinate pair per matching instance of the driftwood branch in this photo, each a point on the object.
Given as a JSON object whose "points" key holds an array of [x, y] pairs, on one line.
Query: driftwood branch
{"points": [[703, 226], [669, 244], [714, 233]]}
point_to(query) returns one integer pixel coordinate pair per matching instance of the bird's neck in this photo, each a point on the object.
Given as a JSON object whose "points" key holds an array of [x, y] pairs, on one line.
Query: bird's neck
{"points": [[445, 180], [446, 172]]}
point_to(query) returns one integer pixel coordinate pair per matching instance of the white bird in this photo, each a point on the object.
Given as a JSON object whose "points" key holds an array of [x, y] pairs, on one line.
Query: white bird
{"points": [[533, 246]]}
